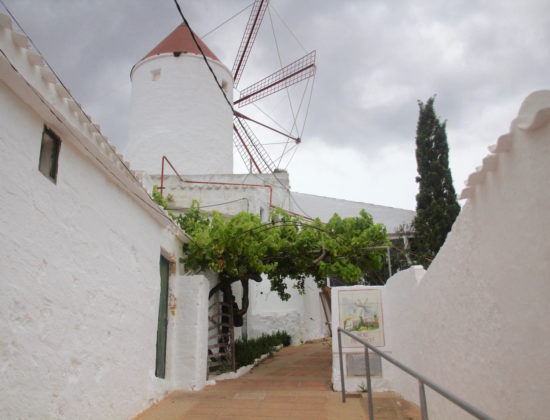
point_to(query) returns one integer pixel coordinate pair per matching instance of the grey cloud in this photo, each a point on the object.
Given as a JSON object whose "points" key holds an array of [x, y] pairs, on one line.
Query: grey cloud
{"points": [[375, 58]]}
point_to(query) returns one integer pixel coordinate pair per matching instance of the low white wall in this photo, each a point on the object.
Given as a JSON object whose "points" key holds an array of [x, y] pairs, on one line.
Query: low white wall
{"points": [[80, 284], [477, 322], [400, 292]]}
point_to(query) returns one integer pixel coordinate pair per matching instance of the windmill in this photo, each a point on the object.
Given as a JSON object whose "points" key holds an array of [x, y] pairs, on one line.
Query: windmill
{"points": [[251, 150]]}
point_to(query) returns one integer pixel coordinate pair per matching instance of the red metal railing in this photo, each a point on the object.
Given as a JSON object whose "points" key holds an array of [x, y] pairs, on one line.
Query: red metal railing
{"points": [[187, 181]]}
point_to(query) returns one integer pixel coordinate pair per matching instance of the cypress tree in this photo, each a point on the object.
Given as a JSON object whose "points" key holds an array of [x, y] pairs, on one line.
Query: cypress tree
{"points": [[436, 203]]}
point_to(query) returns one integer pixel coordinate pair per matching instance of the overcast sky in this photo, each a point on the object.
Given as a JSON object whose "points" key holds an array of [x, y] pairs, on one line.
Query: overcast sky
{"points": [[375, 59]]}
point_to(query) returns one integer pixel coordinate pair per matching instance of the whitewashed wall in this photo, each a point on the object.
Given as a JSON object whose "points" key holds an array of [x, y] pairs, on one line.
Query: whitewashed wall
{"points": [[187, 331], [478, 321], [301, 316], [79, 284]]}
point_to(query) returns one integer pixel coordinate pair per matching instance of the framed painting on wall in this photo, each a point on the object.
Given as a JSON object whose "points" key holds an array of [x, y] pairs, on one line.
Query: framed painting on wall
{"points": [[360, 313]]}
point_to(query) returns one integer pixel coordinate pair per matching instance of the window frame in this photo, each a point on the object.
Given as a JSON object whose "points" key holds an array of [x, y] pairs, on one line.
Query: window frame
{"points": [[53, 165]]}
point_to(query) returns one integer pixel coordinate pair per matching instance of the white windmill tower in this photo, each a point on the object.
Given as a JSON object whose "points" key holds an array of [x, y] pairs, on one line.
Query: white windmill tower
{"points": [[177, 110]]}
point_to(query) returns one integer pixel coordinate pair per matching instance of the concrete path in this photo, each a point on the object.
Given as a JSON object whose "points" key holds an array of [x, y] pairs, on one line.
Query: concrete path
{"points": [[293, 384]]}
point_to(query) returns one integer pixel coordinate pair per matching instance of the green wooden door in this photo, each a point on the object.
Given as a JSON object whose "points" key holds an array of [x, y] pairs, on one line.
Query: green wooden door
{"points": [[160, 369]]}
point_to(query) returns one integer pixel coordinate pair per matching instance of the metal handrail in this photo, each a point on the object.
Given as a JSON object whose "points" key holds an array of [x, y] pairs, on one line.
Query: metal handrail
{"points": [[422, 380]]}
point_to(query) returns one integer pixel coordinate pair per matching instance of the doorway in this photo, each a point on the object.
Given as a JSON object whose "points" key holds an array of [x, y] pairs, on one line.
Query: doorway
{"points": [[160, 366]]}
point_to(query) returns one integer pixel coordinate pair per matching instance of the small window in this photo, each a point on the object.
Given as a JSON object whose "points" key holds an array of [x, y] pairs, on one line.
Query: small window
{"points": [[224, 85], [49, 154], [155, 75]]}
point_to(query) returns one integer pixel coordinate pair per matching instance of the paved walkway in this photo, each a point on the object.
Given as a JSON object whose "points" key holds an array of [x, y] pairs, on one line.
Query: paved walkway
{"points": [[293, 384]]}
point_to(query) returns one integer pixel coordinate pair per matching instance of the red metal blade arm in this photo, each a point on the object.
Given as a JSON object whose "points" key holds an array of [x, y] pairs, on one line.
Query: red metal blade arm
{"points": [[238, 114], [236, 131], [295, 72], [256, 16]]}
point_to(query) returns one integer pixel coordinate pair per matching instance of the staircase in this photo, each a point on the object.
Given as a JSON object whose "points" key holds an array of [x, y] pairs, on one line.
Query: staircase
{"points": [[221, 340]]}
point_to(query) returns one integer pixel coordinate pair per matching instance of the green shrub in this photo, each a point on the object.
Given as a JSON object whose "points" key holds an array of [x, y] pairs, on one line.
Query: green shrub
{"points": [[284, 338], [246, 351]]}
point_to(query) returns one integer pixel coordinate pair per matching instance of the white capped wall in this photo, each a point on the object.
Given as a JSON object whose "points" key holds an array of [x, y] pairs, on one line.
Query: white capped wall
{"points": [[177, 110], [79, 290], [477, 322]]}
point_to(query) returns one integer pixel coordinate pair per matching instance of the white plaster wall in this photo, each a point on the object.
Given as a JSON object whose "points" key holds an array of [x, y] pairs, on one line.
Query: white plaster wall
{"points": [[398, 294], [182, 115], [477, 322], [268, 313], [79, 279], [314, 318], [188, 331], [301, 316]]}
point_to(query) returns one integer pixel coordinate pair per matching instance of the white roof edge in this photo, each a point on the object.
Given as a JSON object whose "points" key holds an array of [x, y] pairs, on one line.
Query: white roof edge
{"points": [[354, 202], [84, 134], [186, 54], [533, 114]]}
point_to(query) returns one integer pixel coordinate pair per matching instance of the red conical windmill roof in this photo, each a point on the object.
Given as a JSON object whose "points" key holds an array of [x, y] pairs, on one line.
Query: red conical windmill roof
{"points": [[180, 40]]}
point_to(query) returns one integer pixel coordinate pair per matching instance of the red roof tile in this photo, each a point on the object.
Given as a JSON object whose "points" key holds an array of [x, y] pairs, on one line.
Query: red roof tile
{"points": [[180, 40]]}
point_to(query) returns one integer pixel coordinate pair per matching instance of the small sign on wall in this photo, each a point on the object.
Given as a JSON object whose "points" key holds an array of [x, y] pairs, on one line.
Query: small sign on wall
{"points": [[360, 313], [355, 364]]}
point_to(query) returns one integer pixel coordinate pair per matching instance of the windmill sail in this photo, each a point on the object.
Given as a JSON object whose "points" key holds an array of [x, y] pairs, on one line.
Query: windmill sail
{"points": [[295, 72]]}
